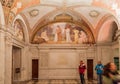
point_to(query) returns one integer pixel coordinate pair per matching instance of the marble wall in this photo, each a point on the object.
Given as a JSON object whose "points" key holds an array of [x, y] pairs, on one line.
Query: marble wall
{"points": [[56, 61], [62, 62]]}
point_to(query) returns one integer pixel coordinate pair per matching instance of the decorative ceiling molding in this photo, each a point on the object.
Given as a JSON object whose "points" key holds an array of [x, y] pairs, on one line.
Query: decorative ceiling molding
{"points": [[63, 17], [7, 3], [34, 12], [94, 13]]}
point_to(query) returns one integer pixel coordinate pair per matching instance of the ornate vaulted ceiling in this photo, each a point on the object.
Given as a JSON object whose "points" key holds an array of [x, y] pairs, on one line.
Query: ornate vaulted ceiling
{"points": [[93, 14]]}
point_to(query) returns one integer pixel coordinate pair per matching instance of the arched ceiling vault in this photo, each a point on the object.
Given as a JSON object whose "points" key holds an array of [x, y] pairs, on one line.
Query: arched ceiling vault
{"points": [[104, 19], [48, 18], [92, 12], [38, 15], [107, 29]]}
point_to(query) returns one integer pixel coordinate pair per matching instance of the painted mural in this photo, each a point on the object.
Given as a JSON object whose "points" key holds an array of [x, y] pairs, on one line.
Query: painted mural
{"points": [[19, 30], [61, 33]]}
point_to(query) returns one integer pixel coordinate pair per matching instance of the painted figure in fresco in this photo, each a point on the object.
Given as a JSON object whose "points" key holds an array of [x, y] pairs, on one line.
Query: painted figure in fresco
{"points": [[58, 34], [50, 33], [67, 34], [82, 37], [76, 32], [18, 30], [44, 35], [20, 34]]}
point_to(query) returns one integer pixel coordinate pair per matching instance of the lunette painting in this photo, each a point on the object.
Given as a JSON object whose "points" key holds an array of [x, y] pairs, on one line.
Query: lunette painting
{"points": [[61, 32]]}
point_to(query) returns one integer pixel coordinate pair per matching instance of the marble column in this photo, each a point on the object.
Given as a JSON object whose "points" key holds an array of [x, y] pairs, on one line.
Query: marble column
{"points": [[2, 56]]}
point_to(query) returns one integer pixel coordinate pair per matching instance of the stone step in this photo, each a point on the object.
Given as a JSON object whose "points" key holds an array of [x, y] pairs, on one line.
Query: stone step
{"points": [[61, 81]]}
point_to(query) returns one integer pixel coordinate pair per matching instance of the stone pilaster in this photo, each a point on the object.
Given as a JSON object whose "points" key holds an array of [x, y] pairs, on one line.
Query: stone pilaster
{"points": [[118, 38], [2, 56], [25, 63], [119, 51], [8, 58]]}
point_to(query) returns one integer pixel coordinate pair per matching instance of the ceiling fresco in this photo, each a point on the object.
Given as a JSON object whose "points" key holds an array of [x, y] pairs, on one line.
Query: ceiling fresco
{"points": [[19, 30], [93, 13], [112, 5]]}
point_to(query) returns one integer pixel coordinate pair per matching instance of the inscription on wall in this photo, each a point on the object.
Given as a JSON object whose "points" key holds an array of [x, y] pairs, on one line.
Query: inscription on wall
{"points": [[43, 59], [82, 56], [62, 59]]}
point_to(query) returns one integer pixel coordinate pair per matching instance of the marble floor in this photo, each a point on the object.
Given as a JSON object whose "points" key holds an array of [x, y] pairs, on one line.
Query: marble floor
{"points": [[61, 81]]}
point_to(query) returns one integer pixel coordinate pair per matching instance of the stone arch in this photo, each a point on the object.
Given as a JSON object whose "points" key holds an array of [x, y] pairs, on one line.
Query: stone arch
{"points": [[20, 19], [107, 28], [77, 17]]}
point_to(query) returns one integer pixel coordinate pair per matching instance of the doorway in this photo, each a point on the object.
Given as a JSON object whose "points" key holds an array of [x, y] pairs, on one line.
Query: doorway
{"points": [[16, 63], [90, 69], [35, 69]]}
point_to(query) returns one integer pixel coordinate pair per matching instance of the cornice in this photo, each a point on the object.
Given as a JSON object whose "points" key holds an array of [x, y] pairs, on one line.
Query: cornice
{"points": [[7, 29]]}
